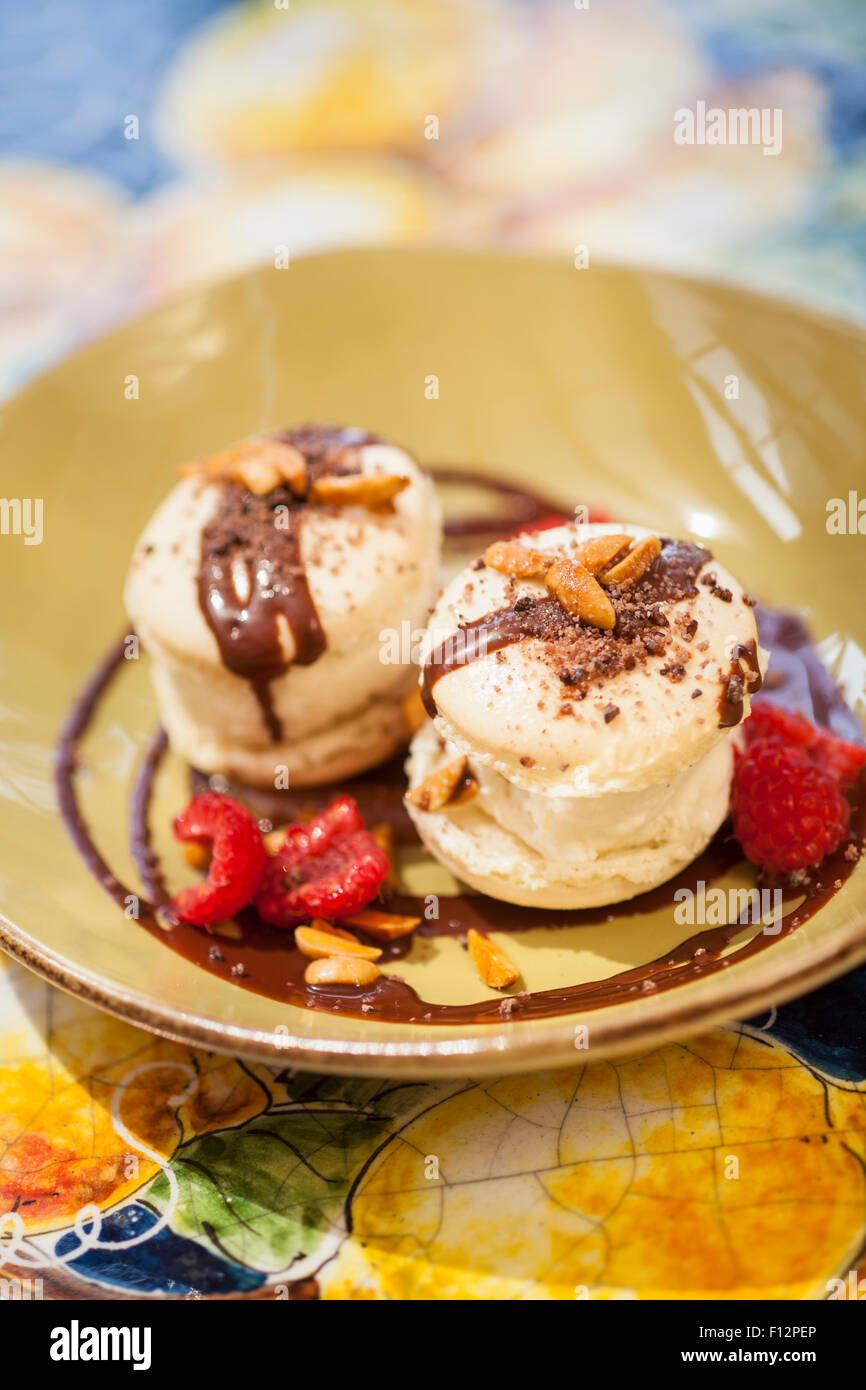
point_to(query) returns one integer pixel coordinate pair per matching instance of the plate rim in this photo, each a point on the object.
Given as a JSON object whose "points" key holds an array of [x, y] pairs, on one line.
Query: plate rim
{"points": [[551, 1046]]}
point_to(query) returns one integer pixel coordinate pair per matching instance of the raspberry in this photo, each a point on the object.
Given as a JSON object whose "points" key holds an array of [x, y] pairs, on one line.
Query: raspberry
{"points": [[329, 866], [546, 523], [788, 812], [542, 523], [843, 760], [238, 859]]}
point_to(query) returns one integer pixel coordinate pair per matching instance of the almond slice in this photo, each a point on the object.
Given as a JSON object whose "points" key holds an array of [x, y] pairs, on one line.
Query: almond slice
{"points": [[440, 787], [358, 489], [196, 855], [259, 464], [413, 710], [518, 561], [275, 839], [384, 926], [320, 940], [595, 554], [383, 834], [258, 475], [494, 967], [635, 564], [466, 788], [341, 970], [292, 466], [579, 593], [230, 931]]}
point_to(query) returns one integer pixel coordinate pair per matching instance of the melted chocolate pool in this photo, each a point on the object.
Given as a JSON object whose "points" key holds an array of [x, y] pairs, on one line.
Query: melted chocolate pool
{"points": [[266, 962]]}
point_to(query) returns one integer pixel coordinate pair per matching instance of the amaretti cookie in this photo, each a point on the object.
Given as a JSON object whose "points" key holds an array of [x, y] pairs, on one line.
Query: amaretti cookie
{"points": [[262, 589], [583, 685]]}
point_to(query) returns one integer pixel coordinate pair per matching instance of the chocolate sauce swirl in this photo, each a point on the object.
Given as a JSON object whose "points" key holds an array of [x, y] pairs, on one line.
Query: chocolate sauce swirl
{"points": [[265, 961], [257, 540]]}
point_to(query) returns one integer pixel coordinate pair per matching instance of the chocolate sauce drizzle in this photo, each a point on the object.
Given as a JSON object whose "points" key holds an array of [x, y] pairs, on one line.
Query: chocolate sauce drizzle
{"points": [[523, 508], [266, 962], [262, 535], [731, 700], [639, 610]]}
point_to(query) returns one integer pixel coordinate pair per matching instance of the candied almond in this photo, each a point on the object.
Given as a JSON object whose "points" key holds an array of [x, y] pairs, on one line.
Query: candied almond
{"points": [[320, 939], [384, 926], [383, 834], [440, 787], [341, 970], [258, 476], [259, 464], [198, 856], [579, 593], [275, 839], [518, 561], [595, 554], [230, 931], [494, 967], [635, 564], [413, 710], [292, 466], [466, 789], [358, 489]]}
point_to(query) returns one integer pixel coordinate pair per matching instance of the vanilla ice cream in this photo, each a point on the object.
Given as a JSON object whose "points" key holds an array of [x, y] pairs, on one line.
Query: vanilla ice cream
{"points": [[600, 760], [269, 610]]}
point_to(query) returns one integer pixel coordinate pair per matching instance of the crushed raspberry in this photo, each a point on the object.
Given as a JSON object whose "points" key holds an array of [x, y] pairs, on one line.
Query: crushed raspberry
{"points": [[842, 760], [788, 812], [238, 859], [329, 866]]}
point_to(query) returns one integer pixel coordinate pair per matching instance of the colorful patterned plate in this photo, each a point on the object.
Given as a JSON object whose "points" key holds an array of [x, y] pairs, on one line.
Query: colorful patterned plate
{"points": [[693, 408]]}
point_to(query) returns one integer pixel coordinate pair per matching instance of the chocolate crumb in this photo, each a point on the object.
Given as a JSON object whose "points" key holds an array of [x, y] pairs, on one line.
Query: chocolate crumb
{"points": [[571, 676], [239, 969], [734, 690], [696, 694], [215, 953], [610, 712]]}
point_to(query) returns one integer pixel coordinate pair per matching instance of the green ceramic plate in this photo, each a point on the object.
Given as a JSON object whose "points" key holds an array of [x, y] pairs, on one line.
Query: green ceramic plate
{"points": [[690, 407]]}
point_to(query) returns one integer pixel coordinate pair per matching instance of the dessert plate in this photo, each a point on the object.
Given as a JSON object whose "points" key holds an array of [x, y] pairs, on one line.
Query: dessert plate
{"points": [[694, 409]]}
